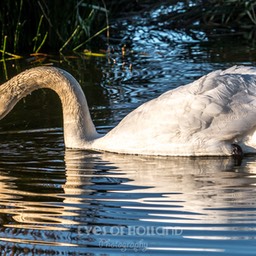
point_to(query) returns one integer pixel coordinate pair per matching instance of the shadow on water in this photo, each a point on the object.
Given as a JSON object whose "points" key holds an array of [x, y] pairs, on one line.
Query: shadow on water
{"points": [[77, 202]]}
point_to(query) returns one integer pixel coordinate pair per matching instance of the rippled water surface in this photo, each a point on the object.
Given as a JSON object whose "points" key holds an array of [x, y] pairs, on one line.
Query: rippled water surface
{"points": [[65, 202]]}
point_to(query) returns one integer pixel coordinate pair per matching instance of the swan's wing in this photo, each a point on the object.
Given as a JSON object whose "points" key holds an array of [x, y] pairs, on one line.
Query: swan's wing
{"points": [[231, 111], [193, 119]]}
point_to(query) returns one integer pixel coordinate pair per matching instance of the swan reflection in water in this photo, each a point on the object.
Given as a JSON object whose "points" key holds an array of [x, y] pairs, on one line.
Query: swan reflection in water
{"points": [[197, 195]]}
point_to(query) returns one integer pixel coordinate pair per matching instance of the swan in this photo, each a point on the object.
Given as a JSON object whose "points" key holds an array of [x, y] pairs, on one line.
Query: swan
{"points": [[212, 116]]}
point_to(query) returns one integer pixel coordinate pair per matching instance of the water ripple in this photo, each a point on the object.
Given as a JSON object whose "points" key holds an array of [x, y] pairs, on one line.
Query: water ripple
{"points": [[107, 203]]}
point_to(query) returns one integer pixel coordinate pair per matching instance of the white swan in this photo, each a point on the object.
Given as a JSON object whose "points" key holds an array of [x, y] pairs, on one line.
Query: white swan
{"points": [[205, 117]]}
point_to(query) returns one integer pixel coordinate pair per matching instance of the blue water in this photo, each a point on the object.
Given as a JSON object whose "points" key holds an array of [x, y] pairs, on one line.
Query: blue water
{"points": [[65, 202]]}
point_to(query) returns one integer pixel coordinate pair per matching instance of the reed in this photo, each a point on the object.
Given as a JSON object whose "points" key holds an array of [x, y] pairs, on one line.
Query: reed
{"points": [[32, 26]]}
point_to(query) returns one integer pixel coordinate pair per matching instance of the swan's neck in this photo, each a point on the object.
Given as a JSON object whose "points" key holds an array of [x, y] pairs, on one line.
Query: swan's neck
{"points": [[79, 130]]}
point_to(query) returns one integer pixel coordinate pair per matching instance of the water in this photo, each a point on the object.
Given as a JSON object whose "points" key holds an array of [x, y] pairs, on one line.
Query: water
{"points": [[77, 202], [65, 202]]}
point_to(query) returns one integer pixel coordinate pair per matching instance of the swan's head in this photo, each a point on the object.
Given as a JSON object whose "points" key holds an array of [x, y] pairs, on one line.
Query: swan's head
{"points": [[7, 101]]}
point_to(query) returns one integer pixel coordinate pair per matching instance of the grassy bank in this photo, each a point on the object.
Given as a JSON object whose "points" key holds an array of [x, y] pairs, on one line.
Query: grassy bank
{"points": [[45, 25]]}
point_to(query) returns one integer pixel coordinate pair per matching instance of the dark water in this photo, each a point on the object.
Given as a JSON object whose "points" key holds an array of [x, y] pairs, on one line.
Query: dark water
{"points": [[62, 202]]}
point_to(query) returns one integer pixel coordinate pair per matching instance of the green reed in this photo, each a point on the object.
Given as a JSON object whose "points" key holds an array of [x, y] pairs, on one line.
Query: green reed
{"points": [[33, 26], [28, 26]]}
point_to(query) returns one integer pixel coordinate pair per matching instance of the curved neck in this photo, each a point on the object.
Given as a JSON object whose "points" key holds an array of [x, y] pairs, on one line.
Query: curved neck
{"points": [[79, 130]]}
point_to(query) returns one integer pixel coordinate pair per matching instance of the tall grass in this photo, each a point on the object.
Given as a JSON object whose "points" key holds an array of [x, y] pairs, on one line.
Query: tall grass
{"points": [[58, 25], [32, 26]]}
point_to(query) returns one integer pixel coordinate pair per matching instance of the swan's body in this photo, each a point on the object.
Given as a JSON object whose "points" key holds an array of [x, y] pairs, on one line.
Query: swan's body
{"points": [[202, 118]]}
